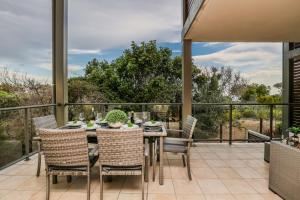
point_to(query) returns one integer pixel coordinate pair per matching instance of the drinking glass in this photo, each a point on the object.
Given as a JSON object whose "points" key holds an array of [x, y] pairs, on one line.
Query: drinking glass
{"points": [[81, 117], [99, 117], [145, 116]]}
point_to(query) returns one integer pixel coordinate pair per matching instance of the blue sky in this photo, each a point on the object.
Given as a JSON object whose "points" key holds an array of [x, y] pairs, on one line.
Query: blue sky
{"points": [[102, 29]]}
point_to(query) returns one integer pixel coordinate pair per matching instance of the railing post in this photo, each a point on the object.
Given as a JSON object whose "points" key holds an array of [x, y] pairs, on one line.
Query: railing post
{"points": [[230, 124], [221, 132], [271, 121], [261, 125], [26, 136]]}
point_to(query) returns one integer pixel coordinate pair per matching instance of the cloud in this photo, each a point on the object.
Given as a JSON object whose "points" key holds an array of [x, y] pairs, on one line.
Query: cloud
{"points": [[84, 51], [94, 25], [74, 68], [209, 44], [114, 24], [258, 62], [176, 51]]}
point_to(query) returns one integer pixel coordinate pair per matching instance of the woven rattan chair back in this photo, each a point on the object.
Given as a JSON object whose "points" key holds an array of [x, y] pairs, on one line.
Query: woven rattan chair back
{"points": [[188, 127], [120, 147], [65, 148], [48, 122]]}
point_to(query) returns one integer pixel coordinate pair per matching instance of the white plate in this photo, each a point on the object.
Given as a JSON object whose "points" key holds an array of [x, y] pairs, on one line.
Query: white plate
{"points": [[90, 128], [149, 123], [125, 126], [138, 121], [72, 124]]}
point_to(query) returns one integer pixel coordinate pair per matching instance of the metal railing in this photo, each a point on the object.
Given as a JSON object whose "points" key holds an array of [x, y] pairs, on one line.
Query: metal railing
{"points": [[231, 107], [26, 127], [173, 116]]}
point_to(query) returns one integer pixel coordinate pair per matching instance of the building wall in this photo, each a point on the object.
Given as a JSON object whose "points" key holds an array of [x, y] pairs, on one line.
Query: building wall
{"points": [[291, 83]]}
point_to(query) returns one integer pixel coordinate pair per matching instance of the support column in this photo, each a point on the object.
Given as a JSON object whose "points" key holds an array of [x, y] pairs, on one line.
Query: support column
{"points": [[186, 78], [285, 86], [186, 67], [59, 49]]}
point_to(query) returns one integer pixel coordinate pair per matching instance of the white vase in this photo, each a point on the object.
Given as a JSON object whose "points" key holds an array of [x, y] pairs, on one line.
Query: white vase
{"points": [[115, 125]]}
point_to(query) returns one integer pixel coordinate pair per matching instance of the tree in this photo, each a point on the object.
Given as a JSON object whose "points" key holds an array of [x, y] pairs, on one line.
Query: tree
{"points": [[29, 90], [144, 73], [253, 91]]}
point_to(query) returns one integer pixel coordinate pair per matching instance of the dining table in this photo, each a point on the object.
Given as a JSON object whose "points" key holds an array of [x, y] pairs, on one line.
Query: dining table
{"points": [[151, 135]]}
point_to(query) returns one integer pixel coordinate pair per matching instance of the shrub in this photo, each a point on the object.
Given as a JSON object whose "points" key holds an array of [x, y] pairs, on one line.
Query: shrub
{"points": [[248, 113], [115, 116]]}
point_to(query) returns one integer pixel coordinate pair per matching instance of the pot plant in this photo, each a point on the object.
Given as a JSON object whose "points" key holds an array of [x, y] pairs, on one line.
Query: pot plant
{"points": [[116, 118], [295, 139]]}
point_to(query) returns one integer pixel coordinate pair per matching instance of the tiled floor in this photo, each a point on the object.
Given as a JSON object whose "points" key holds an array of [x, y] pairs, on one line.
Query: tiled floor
{"points": [[220, 172]]}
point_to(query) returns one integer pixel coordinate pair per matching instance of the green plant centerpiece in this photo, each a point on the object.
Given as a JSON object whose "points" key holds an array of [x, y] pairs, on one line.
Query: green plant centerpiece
{"points": [[116, 118]]}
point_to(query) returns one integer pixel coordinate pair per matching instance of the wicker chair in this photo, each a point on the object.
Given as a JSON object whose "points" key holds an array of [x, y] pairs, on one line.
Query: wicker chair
{"points": [[121, 152], [67, 154], [183, 143], [48, 122]]}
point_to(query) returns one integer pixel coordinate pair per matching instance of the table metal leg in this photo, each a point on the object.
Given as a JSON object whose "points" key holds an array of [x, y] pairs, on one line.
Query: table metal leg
{"points": [[150, 142], [154, 160], [161, 160]]}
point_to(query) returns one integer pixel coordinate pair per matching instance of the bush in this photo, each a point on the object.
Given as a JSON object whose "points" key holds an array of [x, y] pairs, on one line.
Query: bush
{"points": [[248, 113], [115, 116], [8, 100]]}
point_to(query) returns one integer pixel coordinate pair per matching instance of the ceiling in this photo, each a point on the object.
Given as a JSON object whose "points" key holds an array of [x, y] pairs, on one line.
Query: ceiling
{"points": [[246, 21]]}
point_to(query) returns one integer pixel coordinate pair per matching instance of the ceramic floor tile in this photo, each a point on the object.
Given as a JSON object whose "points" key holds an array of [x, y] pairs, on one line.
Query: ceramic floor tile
{"points": [[247, 172], [124, 196], [216, 163], [212, 186], [161, 197], [203, 173], [190, 197], [248, 197], [19, 195], [13, 182], [226, 173], [156, 188], [238, 186], [41, 195], [199, 163], [133, 184], [186, 187], [33, 184], [219, 197], [260, 185]]}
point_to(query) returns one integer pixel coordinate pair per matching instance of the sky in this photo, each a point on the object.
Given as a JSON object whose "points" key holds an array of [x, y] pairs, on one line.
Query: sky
{"points": [[102, 29]]}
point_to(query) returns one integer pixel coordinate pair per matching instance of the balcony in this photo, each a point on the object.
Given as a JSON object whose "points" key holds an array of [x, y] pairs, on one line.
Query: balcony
{"points": [[228, 165]]}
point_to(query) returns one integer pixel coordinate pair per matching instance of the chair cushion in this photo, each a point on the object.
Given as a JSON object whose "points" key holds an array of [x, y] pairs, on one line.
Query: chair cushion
{"points": [[122, 170], [175, 148], [172, 141]]}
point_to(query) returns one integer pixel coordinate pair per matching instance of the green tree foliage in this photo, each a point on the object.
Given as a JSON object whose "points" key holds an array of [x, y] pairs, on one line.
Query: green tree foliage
{"points": [[254, 91], [8, 99], [144, 73], [81, 91]]}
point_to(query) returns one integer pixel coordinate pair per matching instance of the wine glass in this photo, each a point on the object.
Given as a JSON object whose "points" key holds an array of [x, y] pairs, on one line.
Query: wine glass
{"points": [[81, 117], [99, 117], [145, 116]]}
